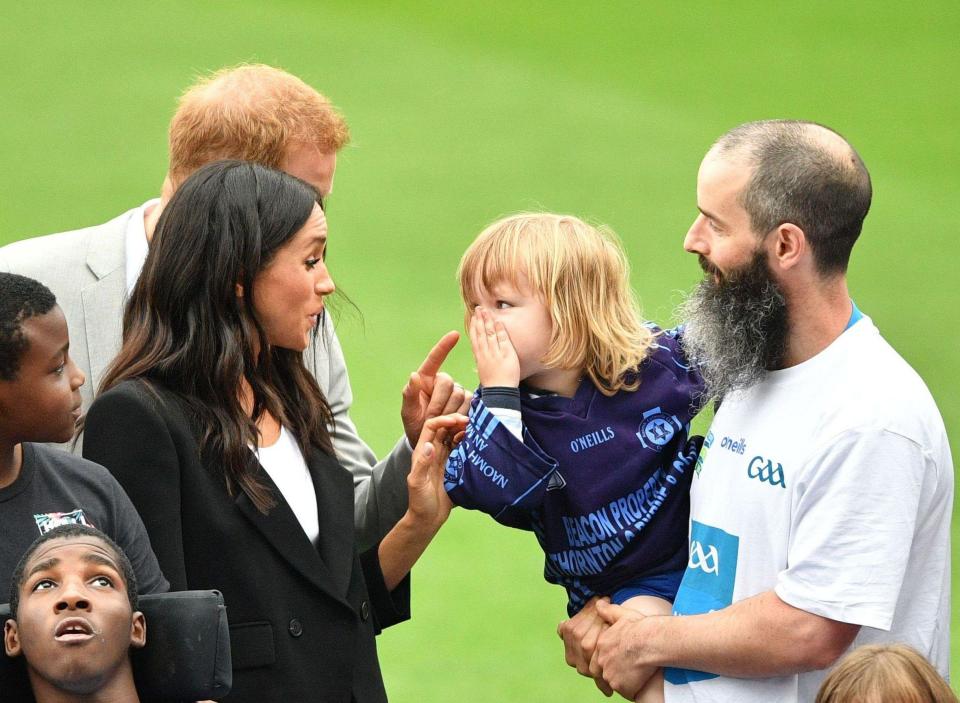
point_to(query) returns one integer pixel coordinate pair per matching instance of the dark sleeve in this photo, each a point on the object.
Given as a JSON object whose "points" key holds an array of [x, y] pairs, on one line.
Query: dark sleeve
{"points": [[687, 371], [125, 432], [387, 607], [492, 471], [132, 537], [506, 397]]}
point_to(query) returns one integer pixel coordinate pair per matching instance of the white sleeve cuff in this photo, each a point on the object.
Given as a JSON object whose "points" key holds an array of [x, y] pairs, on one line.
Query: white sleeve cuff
{"points": [[510, 419]]}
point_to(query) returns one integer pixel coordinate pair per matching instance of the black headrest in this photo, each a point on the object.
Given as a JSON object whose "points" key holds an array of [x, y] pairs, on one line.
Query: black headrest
{"points": [[187, 656]]}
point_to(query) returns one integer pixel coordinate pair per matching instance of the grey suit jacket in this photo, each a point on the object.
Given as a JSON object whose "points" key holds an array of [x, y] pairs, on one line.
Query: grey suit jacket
{"points": [[85, 269]]}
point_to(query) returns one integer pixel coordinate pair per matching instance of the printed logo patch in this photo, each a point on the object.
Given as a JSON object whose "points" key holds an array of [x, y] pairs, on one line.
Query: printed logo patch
{"points": [[47, 521], [657, 429], [556, 482], [707, 443], [707, 583], [592, 439], [766, 470], [454, 469], [707, 560], [737, 446]]}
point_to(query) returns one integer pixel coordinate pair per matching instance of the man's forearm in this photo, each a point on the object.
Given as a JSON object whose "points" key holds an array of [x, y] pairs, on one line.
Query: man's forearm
{"points": [[380, 494], [755, 638]]}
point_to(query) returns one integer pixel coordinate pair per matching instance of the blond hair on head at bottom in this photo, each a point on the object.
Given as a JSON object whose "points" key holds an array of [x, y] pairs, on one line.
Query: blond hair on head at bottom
{"points": [[581, 274], [884, 673]]}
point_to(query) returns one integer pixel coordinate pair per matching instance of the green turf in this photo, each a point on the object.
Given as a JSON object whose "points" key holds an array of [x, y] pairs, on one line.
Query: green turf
{"points": [[465, 111]]}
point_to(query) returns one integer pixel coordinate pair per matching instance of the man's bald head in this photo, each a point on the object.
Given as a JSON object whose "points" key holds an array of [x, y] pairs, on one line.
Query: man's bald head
{"points": [[805, 174], [253, 113]]}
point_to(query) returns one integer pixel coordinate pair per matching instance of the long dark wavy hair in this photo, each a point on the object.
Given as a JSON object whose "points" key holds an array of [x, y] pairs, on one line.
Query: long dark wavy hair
{"points": [[186, 329]]}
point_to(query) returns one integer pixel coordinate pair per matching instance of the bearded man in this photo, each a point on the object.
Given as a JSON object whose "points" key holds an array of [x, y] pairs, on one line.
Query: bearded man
{"points": [[820, 507]]}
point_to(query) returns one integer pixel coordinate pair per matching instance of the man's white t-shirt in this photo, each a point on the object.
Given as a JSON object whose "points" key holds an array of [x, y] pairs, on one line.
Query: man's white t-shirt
{"points": [[830, 483]]}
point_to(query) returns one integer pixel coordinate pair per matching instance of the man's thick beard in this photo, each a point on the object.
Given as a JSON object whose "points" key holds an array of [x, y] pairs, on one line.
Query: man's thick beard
{"points": [[736, 327]]}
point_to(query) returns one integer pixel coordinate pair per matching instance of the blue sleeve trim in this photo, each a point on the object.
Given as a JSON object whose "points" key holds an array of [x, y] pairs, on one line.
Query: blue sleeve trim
{"points": [[493, 471]]}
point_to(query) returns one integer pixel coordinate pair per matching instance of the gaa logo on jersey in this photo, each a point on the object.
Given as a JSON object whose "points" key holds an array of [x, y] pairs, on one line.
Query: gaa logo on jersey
{"points": [[657, 429], [766, 470], [704, 557], [454, 469], [707, 583], [47, 521]]}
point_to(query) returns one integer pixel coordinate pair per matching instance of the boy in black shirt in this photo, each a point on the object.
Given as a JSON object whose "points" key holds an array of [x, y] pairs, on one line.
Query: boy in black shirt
{"points": [[41, 487]]}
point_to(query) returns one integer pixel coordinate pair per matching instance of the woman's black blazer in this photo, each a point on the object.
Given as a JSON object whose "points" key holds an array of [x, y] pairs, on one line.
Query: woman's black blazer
{"points": [[302, 618]]}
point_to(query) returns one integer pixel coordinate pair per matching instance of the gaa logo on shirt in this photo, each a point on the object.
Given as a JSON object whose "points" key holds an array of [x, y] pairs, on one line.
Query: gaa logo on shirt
{"points": [[707, 583], [707, 560], [657, 429], [766, 470]]}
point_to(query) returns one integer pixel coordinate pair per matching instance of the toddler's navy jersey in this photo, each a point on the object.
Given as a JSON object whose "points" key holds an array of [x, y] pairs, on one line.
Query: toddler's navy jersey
{"points": [[602, 481]]}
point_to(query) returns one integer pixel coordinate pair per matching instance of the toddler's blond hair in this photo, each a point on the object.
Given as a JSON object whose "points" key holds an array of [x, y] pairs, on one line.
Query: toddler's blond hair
{"points": [[884, 673], [582, 275]]}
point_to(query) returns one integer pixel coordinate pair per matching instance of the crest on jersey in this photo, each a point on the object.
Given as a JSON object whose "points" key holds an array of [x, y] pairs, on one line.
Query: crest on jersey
{"points": [[657, 429], [453, 474]]}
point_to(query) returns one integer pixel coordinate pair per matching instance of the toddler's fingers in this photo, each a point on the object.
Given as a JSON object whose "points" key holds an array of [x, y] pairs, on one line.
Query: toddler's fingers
{"points": [[476, 333], [485, 329], [503, 337], [489, 332], [489, 329]]}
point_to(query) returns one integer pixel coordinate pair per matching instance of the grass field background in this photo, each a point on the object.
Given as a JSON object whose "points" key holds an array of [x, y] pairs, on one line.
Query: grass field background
{"points": [[462, 112]]}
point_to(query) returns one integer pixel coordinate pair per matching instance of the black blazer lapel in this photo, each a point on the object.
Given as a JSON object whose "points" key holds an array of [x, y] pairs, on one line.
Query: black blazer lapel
{"points": [[334, 489], [282, 530]]}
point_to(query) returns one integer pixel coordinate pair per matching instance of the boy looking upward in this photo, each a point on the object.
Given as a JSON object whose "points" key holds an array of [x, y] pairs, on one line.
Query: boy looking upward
{"points": [[41, 487], [73, 601]]}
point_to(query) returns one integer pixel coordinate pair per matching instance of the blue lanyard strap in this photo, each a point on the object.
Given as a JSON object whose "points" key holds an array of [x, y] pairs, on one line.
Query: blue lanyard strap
{"points": [[855, 316]]}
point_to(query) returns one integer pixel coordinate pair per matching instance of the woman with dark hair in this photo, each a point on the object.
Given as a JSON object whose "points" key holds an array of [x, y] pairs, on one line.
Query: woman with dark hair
{"points": [[219, 434]]}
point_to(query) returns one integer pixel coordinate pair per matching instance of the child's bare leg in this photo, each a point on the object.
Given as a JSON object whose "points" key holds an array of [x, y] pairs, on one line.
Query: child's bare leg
{"points": [[652, 691]]}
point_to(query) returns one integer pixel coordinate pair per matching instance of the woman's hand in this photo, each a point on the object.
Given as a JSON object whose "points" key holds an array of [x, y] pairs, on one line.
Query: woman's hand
{"points": [[497, 361], [429, 505], [430, 392]]}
